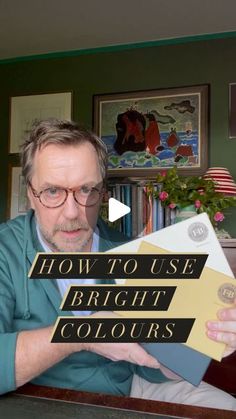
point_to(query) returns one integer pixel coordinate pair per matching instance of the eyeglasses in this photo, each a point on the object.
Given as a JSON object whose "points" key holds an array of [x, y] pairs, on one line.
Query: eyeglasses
{"points": [[55, 197]]}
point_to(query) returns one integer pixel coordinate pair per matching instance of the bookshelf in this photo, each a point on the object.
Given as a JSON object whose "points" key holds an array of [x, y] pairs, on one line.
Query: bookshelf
{"points": [[147, 213]]}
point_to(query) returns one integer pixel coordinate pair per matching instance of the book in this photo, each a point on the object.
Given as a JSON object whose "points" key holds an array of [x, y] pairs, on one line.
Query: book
{"points": [[134, 211], [128, 217], [140, 210]]}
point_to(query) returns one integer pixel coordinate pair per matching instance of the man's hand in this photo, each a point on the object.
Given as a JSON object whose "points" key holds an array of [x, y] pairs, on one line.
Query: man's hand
{"points": [[224, 330], [131, 352]]}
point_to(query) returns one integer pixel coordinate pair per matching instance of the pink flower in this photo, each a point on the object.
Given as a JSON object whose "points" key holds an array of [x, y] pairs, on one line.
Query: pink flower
{"points": [[172, 205], [163, 195], [219, 216], [163, 173], [197, 203]]}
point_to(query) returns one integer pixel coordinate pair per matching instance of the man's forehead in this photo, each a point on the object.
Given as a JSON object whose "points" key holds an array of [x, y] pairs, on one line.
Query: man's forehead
{"points": [[74, 164], [59, 160], [55, 154], [83, 147]]}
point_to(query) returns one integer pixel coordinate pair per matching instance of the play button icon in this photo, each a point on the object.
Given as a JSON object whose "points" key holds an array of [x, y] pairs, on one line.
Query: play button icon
{"points": [[116, 209]]}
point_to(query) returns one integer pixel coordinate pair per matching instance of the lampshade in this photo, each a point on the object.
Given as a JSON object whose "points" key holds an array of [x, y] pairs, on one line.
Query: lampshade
{"points": [[224, 181]]}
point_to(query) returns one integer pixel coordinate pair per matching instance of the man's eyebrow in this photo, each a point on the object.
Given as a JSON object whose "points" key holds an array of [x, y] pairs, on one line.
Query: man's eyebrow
{"points": [[90, 184], [50, 185]]}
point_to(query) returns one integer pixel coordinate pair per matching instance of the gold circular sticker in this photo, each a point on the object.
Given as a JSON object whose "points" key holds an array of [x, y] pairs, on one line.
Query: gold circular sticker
{"points": [[227, 293]]}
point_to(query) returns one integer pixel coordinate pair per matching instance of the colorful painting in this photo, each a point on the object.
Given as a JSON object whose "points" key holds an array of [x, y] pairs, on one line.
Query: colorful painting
{"points": [[154, 130]]}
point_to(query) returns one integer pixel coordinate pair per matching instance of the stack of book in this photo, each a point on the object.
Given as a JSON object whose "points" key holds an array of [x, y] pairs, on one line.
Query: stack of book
{"points": [[147, 213]]}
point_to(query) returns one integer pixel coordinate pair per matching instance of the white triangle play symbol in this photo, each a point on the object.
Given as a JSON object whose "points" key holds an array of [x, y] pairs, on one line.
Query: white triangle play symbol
{"points": [[116, 209]]}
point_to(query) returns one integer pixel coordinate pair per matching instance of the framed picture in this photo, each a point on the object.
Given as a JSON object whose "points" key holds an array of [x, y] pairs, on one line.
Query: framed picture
{"points": [[232, 110], [24, 110], [148, 131], [18, 202]]}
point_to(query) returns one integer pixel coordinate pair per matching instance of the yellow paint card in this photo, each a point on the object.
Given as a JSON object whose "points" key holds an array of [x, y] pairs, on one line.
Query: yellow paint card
{"points": [[194, 298]]}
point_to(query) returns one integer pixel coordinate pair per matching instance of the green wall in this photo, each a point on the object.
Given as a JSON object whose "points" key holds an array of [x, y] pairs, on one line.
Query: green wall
{"points": [[210, 62]]}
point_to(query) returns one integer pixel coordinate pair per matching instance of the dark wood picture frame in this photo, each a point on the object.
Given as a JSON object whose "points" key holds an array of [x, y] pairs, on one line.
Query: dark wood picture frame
{"points": [[232, 110], [18, 203], [129, 123]]}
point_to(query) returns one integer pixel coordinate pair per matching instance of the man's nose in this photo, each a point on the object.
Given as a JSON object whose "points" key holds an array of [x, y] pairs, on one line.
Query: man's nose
{"points": [[71, 208]]}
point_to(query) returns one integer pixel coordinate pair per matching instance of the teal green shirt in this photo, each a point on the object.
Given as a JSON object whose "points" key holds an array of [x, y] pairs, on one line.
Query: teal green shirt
{"points": [[27, 304]]}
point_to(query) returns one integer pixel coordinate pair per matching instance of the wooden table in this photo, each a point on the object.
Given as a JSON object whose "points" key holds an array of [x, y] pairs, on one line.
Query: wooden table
{"points": [[37, 402]]}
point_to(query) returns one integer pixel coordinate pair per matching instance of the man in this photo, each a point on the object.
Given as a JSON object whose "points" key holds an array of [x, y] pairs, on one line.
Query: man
{"points": [[65, 172]]}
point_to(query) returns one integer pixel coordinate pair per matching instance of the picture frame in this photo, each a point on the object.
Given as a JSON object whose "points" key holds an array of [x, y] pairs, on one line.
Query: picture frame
{"points": [[153, 130], [18, 202], [232, 110], [24, 110]]}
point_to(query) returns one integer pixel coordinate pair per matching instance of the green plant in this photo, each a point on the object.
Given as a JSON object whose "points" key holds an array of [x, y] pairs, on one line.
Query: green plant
{"points": [[181, 191]]}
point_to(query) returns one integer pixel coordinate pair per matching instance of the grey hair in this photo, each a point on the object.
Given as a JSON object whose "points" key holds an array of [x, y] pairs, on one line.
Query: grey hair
{"points": [[59, 132]]}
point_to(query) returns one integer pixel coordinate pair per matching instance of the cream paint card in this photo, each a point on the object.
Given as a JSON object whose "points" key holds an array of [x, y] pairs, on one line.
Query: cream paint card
{"points": [[199, 298], [194, 235]]}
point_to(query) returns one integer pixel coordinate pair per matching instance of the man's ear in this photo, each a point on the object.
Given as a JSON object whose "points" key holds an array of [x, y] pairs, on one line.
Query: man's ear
{"points": [[31, 198]]}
